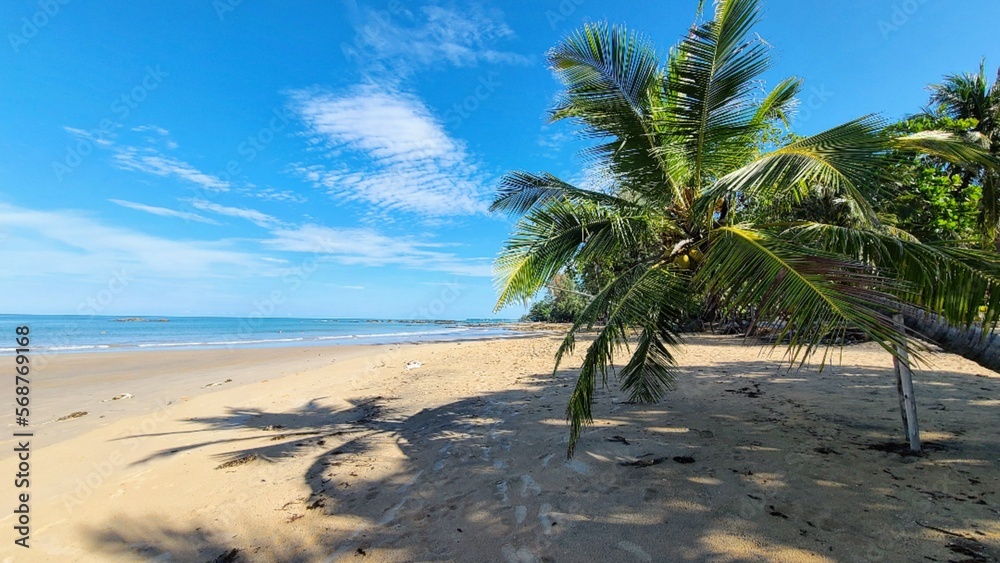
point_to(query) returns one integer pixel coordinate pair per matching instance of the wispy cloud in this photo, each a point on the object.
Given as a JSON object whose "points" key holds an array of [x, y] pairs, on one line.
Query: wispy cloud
{"points": [[99, 139], [163, 211], [150, 159], [256, 217], [366, 247], [156, 135], [70, 243], [392, 153], [271, 194], [152, 128], [400, 43], [152, 162]]}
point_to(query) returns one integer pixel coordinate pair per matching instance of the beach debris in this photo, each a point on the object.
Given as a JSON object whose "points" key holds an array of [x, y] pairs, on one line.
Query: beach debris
{"points": [[273, 427], [619, 439], [412, 364], [76, 414], [361, 552], [942, 530], [683, 459], [775, 512], [118, 397], [747, 391], [217, 383], [318, 503], [242, 460], [644, 461], [231, 556]]}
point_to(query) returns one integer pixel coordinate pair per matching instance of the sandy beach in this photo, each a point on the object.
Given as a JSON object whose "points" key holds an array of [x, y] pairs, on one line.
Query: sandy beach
{"points": [[341, 453]]}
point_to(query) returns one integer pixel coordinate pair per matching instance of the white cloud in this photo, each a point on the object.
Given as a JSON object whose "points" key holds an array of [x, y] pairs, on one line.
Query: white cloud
{"points": [[163, 211], [152, 128], [393, 153], [98, 138], [398, 44], [252, 215], [151, 162], [67, 242], [271, 194], [365, 247]]}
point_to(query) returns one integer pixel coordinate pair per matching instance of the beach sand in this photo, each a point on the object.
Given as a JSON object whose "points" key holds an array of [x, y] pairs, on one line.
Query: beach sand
{"points": [[341, 453]]}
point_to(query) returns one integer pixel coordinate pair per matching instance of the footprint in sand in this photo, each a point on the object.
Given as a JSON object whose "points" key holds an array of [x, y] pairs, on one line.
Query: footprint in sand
{"points": [[635, 550], [529, 486], [545, 519], [518, 555], [502, 492], [520, 513]]}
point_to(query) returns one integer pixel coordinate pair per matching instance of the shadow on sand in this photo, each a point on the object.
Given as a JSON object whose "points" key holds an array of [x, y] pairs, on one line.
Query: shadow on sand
{"points": [[743, 462]]}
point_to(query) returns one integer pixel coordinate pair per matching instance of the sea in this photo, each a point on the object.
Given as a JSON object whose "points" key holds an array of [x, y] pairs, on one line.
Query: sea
{"points": [[83, 334]]}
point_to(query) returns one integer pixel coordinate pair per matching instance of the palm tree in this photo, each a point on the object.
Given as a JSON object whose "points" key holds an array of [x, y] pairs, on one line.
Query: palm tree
{"points": [[698, 200], [970, 96], [964, 97]]}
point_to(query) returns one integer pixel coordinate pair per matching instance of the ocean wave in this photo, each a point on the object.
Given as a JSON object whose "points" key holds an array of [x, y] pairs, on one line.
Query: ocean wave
{"points": [[263, 340], [218, 342], [393, 334]]}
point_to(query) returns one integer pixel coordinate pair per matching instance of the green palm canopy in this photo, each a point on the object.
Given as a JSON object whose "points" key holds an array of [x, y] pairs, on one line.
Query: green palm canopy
{"points": [[970, 96], [700, 198]]}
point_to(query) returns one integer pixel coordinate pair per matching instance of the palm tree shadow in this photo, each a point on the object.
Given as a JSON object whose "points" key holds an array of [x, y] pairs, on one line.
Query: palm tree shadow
{"points": [[286, 432], [491, 469]]}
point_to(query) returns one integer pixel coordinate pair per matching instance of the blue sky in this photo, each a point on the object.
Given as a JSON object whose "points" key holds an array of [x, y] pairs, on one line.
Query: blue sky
{"points": [[327, 158]]}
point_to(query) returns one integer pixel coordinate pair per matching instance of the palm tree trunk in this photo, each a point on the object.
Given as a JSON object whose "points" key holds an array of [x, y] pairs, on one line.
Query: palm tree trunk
{"points": [[904, 387], [969, 343]]}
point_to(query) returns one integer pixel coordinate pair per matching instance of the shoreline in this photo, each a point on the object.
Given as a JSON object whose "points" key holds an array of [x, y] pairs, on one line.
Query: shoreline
{"points": [[312, 456], [464, 332]]}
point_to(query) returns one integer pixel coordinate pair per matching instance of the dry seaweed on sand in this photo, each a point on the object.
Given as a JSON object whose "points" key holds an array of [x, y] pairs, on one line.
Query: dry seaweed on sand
{"points": [[243, 460]]}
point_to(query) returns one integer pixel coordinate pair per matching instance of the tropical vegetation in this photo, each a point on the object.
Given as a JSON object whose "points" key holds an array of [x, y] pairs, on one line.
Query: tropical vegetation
{"points": [[704, 198]]}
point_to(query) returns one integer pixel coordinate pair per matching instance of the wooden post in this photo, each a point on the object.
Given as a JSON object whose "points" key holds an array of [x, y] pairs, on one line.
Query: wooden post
{"points": [[904, 386]]}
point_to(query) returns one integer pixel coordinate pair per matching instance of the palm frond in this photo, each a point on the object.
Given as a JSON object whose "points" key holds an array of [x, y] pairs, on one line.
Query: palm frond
{"points": [[710, 86], [548, 238], [612, 78], [520, 191], [845, 159], [961, 285], [947, 146], [806, 296], [647, 296]]}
